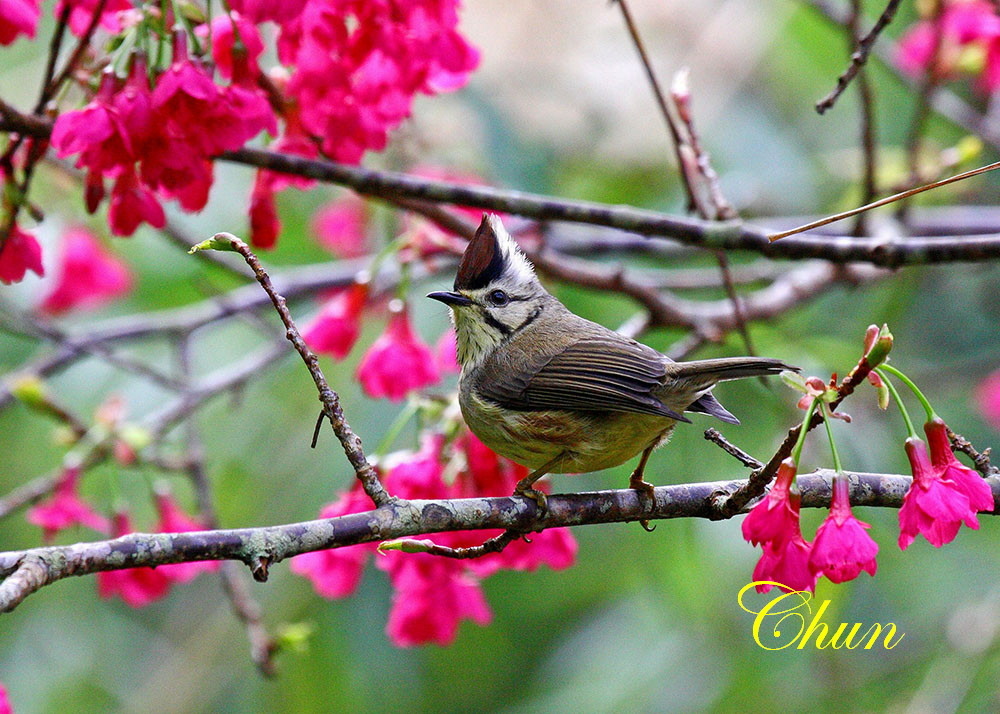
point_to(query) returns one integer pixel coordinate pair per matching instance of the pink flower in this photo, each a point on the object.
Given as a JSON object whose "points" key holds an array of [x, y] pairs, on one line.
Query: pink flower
{"points": [[335, 329], [264, 222], [943, 459], [842, 548], [335, 573], [432, 596], [776, 518], [397, 363], [967, 30], [280, 11], [988, 399], [132, 204], [82, 11], [19, 253], [97, 132], [933, 506], [339, 226], [446, 353], [787, 563], [138, 587], [66, 509], [174, 520], [224, 39], [18, 17], [359, 64], [89, 276]]}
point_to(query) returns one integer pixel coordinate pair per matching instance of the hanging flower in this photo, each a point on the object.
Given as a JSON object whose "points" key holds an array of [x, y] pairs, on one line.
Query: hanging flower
{"points": [[776, 518], [397, 363], [89, 276], [66, 509], [988, 399], [18, 17], [842, 547], [934, 506], [943, 459], [787, 563], [336, 327], [339, 226], [19, 253]]}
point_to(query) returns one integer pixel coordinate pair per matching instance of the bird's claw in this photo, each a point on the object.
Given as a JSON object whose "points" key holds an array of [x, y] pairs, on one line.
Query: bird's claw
{"points": [[535, 495], [636, 482]]}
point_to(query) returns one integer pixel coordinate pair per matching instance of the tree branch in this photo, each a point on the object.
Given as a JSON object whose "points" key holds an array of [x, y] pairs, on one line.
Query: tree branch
{"points": [[26, 571]]}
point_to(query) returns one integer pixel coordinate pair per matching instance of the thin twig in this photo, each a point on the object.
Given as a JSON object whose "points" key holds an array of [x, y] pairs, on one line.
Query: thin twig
{"points": [[328, 398], [736, 452], [859, 57]]}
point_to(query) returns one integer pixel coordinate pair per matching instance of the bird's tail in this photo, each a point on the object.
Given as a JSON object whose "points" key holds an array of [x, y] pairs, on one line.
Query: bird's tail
{"points": [[710, 371]]}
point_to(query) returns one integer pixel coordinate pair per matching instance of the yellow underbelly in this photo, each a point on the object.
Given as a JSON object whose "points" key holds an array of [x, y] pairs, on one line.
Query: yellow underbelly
{"points": [[590, 441]]}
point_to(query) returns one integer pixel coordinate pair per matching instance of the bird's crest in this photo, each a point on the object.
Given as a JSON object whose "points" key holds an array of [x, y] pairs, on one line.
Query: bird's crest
{"points": [[491, 254]]}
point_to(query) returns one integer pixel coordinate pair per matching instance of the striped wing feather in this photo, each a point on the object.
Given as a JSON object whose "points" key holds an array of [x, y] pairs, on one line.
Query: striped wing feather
{"points": [[593, 374]]}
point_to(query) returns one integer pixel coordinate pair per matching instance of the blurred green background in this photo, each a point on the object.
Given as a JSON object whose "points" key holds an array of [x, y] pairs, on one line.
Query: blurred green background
{"points": [[644, 621]]}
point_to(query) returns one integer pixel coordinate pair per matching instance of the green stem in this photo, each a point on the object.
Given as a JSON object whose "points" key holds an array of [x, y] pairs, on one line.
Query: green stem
{"points": [[931, 415], [899, 402], [829, 435], [396, 428], [803, 430]]}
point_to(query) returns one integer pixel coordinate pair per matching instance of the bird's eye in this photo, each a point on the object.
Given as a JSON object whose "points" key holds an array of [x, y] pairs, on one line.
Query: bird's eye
{"points": [[498, 298]]}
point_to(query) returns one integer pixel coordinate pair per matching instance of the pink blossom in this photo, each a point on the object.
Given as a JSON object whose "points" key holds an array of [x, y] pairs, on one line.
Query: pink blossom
{"points": [[335, 573], [359, 64], [446, 353], [132, 204], [66, 509], [89, 276], [177, 170], [432, 596], [18, 17], [397, 363], [776, 518], [785, 562], [264, 222], [280, 11], [172, 519], [943, 459], [933, 506], [224, 43], [19, 253], [138, 587], [97, 132], [339, 226], [988, 399], [82, 11], [842, 548], [335, 329], [962, 26]]}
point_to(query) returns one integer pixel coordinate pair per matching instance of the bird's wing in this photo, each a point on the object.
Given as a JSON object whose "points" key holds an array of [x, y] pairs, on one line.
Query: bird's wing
{"points": [[595, 373]]}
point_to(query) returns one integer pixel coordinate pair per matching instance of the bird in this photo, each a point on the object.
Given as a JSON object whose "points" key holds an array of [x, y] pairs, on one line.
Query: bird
{"points": [[556, 392]]}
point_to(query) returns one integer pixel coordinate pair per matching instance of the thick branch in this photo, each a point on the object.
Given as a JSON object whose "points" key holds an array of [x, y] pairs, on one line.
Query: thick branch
{"points": [[26, 571]]}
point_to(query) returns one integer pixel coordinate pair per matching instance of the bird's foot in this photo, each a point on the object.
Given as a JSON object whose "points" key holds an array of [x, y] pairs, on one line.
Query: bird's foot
{"points": [[636, 481], [535, 495]]}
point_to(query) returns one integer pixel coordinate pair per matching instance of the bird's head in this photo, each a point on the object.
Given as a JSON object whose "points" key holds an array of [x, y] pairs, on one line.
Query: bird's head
{"points": [[496, 293]]}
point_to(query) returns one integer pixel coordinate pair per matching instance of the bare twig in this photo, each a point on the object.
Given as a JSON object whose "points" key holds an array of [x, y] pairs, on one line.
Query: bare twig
{"points": [[859, 57], [736, 452], [328, 398]]}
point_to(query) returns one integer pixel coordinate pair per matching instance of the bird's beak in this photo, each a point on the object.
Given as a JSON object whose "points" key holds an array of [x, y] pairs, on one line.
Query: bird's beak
{"points": [[448, 298]]}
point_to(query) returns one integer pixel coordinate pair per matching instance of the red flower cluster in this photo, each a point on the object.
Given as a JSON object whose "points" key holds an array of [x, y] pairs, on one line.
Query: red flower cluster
{"points": [[841, 550], [19, 253], [66, 509], [433, 594], [945, 493], [965, 37], [359, 63]]}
